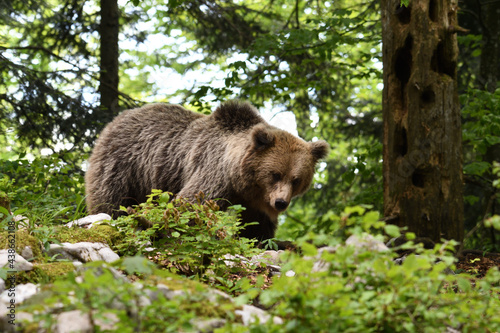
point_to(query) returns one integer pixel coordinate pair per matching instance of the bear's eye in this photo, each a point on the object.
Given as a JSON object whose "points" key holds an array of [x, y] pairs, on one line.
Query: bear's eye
{"points": [[276, 177], [296, 182]]}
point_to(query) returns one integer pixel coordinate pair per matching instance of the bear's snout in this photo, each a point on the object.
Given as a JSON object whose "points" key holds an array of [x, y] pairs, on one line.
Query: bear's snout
{"points": [[280, 204]]}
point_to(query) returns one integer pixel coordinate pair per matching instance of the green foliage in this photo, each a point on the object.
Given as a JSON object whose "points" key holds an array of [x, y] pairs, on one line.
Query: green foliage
{"points": [[494, 221], [47, 188], [481, 137], [481, 129], [351, 220], [114, 304], [188, 238], [361, 290]]}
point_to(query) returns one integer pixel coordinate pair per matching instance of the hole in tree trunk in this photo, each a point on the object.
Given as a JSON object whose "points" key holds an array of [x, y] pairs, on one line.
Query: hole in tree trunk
{"points": [[440, 62], [418, 178], [400, 141], [428, 96], [402, 66], [433, 9], [403, 13]]}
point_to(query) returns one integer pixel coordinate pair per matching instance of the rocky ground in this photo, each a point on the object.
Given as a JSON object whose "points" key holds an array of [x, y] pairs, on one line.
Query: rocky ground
{"points": [[86, 244]]}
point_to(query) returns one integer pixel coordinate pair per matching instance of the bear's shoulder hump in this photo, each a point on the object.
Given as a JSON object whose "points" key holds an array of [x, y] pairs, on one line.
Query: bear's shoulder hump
{"points": [[237, 116]]}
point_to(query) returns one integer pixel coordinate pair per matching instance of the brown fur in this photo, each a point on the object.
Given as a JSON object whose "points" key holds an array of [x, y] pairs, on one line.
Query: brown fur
{"points": [[232, 154]]}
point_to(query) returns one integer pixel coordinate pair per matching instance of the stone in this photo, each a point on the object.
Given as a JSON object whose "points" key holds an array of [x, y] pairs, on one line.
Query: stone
{"points": [[169, 293], [27, 253], [366, 242], [73, 321], [90, 220], [20, 264], [234, 260], [22, 293], [208, 325], [250, 314], [83, 252], [268, 257]]}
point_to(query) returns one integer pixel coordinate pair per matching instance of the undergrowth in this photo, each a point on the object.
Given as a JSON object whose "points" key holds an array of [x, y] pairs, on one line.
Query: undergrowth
{"points": [[194, 239]]}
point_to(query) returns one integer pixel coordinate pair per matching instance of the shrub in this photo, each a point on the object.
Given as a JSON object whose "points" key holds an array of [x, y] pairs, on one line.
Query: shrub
{"points": [[361, 290], [187, 238]]}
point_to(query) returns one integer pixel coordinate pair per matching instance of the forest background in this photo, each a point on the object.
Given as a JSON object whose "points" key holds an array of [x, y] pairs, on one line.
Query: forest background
{"points": [[62, 78], [67, 67]]}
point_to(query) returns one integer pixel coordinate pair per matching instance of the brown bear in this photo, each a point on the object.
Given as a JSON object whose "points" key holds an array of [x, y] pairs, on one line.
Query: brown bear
{"points": [[231, 154]]}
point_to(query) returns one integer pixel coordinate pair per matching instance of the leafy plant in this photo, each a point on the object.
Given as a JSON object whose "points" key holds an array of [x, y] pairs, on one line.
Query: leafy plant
{"points": [[186, 237], [113, 303], [481, 128], [494, 221], [361, 290], [46, 186]]}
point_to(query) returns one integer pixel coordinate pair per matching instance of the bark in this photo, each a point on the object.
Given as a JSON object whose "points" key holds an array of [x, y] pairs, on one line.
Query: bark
{"points": [[108, 85], [422, 125]]}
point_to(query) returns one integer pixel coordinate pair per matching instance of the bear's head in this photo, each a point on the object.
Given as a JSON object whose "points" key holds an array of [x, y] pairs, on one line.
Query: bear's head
{"points": [[281, 166]]}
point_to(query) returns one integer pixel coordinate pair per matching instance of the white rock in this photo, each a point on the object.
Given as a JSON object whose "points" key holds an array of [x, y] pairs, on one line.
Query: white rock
{"points": [[20, 264], [74, 321], [215, 293], [368, 242], [208, 325], [27, 253], [83, 252], [108, 323], [250, 314], [107, 254], [233, 260], [268, 257], [89, 221], [22, 292]]}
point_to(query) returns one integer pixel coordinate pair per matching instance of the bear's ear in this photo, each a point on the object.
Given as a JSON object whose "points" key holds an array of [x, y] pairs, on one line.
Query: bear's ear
{"points": [[262, 138], [319, 149]]}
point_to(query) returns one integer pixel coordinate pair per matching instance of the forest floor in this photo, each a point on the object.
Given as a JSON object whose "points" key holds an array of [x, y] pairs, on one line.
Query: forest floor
{"points": [[477, 263]]}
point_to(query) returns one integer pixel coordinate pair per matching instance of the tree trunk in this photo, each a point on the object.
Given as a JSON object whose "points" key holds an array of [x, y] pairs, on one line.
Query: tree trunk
{"points": [[108, 85], [422, 125]]}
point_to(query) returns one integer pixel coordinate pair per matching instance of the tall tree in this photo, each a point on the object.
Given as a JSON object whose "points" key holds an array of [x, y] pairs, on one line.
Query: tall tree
{"points": [[422, 125], [108, 82]]}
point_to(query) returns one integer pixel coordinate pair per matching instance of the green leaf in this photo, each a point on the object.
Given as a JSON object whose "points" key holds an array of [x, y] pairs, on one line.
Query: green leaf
{"points": [[493, 221], [392, 230], [4, 211], [309, 249], [137, 264], [477, 168], [464, 284]]}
